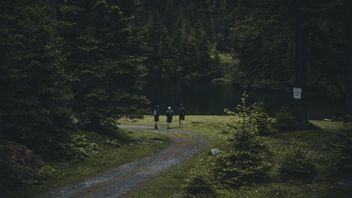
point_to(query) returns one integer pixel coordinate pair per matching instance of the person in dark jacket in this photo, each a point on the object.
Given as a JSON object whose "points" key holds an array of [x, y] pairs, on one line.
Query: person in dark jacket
{"points": [[169, 114], [182, 115], [156, 114]]}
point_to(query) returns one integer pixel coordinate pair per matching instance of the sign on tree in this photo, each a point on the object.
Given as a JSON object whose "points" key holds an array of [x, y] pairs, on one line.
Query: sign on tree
{"points": [[297, 93]]}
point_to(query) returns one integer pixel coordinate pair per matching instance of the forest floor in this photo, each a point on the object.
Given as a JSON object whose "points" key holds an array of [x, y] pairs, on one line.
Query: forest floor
{"points": [[120, 180]]}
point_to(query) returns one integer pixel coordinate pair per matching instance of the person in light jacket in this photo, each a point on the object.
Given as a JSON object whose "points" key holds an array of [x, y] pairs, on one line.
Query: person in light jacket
{"points": [[169, 114]]}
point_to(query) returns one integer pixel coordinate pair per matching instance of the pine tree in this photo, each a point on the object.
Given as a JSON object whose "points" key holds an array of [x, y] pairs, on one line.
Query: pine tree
{"points": [[187, 62], [208, 66], [33, 84], [247, 160], [159, 43], [263, 39], [104, 58]]}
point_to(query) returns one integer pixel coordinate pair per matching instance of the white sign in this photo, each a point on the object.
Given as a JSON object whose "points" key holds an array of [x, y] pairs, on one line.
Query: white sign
{"points": [[297, 93]]}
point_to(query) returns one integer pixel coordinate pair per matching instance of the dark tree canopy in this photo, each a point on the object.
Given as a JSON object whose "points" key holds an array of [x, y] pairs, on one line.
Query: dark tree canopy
{"points": [[63, 61], [33, 83], [104, 60]]}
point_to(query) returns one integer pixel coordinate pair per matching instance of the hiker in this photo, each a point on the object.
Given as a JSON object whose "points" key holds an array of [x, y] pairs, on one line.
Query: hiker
{"points": [[169, 114], [156, 114], [182, 114]]}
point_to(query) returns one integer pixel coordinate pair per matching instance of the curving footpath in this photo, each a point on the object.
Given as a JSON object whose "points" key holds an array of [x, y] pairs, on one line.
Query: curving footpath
{"points": [[123, 179]]}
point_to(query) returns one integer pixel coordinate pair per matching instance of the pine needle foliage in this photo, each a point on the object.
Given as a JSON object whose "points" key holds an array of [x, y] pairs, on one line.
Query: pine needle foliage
{"points": [[247, 161]]}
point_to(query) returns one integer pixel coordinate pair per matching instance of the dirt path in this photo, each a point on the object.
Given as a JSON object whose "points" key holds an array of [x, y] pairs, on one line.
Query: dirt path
{"points": [[123, 179]]}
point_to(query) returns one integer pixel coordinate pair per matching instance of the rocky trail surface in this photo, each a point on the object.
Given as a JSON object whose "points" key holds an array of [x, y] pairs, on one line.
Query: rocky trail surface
{"points": [[125, 178]]}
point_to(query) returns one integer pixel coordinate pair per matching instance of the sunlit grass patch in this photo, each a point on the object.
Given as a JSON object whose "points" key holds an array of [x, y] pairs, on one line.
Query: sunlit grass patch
{"points": [[226, 58]]}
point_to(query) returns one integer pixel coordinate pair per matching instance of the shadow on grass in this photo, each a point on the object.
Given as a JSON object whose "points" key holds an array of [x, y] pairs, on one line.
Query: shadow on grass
{"points": [[110, 132]]}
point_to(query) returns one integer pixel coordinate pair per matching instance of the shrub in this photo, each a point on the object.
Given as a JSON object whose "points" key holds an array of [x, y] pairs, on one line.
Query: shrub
{"points": [[199, 182], [255, 115], [112, 142], [47, 172], [347, 124], [199, 186], [344, 149], [17, 165], [261, 119], [285, 120], [85, 149], [247, 160], [297, 165], [345, 156], [79, 147]]}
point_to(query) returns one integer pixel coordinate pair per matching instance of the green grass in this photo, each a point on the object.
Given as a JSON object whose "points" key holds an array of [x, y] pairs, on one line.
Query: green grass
{"points": [[226, 58], [169, 184], [144, 143], [317, 142], [230, 66]]}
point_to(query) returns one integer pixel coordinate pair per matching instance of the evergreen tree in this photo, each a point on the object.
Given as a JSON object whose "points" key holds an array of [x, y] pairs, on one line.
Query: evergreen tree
{"points": [[159, 43], [330, 47], [177, 34], [187, 54], [33, 84], [247, 160], [208, 66], [103, 53], [263, 39]]}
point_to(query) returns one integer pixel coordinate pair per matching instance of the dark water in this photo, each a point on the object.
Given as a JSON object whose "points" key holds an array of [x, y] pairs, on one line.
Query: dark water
{"points": [[208, 98]]}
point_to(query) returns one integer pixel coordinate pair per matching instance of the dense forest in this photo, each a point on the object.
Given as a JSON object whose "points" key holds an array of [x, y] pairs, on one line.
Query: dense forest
{"points": [[186, 37], [266, 40], [69, 65]]}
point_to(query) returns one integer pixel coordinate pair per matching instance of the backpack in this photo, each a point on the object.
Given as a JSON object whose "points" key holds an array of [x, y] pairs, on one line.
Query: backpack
{"points": [[182, 111], [169, 113]]}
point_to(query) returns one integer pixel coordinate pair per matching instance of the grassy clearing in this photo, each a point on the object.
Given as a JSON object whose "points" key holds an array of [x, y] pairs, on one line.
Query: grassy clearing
{"points": [[318, 142], [141, 144], [229, 65], [171, 182], [226, 58]]}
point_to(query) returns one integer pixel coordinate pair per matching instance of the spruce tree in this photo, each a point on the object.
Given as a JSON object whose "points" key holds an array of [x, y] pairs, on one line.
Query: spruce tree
{"points": [[247, 160], [208, 66], [159, 46], [33, 84], [104, 58]]}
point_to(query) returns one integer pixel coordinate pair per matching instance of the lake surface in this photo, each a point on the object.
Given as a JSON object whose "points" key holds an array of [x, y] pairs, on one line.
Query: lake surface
{"points": [[206, 98]]}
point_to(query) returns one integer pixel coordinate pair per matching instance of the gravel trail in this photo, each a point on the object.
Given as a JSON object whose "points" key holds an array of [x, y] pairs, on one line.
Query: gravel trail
{"points": [[123, 179]]}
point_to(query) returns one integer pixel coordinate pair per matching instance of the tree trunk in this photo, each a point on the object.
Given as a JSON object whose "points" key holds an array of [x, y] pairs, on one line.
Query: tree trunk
{"points": [[348, 98], [299, 104]]}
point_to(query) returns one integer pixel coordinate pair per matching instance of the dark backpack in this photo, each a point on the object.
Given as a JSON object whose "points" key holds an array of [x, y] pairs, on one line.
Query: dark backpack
{"points": [[169, 113], [156, 113], [182, 111]]}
